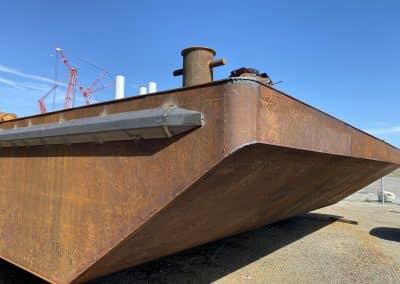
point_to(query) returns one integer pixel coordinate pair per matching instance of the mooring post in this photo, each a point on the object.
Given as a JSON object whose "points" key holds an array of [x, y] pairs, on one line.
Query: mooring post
{"points": [[198, 64]]}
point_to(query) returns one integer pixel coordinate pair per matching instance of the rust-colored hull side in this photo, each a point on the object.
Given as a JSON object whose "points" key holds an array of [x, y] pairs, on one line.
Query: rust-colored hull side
{"points": [[74, 212], [257, 185]]}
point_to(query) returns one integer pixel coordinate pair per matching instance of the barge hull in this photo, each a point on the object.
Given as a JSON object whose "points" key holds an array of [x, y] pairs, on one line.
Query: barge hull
{"points": [[74, 212]]}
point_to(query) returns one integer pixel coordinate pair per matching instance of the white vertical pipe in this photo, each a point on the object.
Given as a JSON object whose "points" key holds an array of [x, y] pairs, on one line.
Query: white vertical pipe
{"points": [[119, 87], [142, 90], [152, 87]]}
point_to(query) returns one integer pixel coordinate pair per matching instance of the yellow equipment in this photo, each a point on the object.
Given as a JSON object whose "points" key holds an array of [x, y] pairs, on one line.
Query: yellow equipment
{"points": [[7, 116]]}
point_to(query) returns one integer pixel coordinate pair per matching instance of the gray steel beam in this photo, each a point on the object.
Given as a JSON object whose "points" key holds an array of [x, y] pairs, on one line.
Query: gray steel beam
{"points": [[141, 124]]}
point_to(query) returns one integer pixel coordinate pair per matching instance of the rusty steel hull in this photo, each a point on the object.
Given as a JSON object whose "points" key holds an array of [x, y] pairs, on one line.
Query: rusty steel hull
{"points": [[70, 213]]}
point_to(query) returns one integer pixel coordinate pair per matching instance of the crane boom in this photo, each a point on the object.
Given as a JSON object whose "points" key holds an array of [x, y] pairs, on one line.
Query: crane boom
{"points": [[74, 82], [70, 94], [42, 106]]}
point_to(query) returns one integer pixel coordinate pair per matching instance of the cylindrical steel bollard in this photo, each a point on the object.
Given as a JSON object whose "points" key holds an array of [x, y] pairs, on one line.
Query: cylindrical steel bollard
{"points": [[198, 64]]}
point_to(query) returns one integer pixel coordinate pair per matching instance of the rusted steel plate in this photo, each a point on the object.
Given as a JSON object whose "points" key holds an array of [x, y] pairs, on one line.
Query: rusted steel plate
{"points": [[286, 122], [64, 206], [198, 64], [74, 212], [257, 185]]}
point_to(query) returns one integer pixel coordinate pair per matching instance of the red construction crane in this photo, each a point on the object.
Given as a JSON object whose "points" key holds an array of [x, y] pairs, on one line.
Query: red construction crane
{"points": [[42, 106], [70, 93], [86, 92], [73, 82]]}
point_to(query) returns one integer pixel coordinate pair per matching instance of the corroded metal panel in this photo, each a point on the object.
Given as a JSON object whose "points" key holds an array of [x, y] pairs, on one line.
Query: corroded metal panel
{"points": [[66, 205], [285, 121], [366, 146], [257, 185], [74, 212]]}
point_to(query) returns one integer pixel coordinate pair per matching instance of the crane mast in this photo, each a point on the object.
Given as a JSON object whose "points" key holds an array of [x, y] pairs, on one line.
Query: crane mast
{"points": [[41, 104], [70, 93], [73, 82]]}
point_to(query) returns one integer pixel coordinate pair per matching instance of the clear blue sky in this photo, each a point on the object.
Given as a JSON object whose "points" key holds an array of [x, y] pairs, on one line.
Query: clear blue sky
{"points": [[341, 56]]}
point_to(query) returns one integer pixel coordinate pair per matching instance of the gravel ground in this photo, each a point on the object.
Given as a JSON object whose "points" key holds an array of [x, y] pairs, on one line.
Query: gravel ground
{"points": [[354, 242], [349, 242]]}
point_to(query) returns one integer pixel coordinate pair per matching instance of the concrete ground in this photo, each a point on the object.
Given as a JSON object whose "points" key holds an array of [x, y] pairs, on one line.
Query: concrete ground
{"points": [[349, 242], [369, 193]]}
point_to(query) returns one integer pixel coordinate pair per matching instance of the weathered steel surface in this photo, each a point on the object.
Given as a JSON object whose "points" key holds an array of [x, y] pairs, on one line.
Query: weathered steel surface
{"points": [[198, 64], [257, 185], [141, 124], [73, 212]]}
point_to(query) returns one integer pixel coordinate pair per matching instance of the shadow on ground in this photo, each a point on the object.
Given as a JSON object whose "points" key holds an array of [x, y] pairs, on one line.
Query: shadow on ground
{"points": [[390, 234], [10, 274], [206, 263], [212, 261]]}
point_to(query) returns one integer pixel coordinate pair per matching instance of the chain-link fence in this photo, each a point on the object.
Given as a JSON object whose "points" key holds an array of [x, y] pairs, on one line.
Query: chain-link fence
{"points": [[372, 192]]}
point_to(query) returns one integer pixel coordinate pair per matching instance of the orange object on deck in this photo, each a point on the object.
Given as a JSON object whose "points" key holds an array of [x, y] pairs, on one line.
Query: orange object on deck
{"points": [[7, 116]]}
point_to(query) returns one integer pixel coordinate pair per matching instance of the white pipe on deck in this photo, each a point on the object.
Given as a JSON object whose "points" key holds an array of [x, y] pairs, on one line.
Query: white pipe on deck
{"points": [[119, 87], [152, 87], [142, 90]]}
